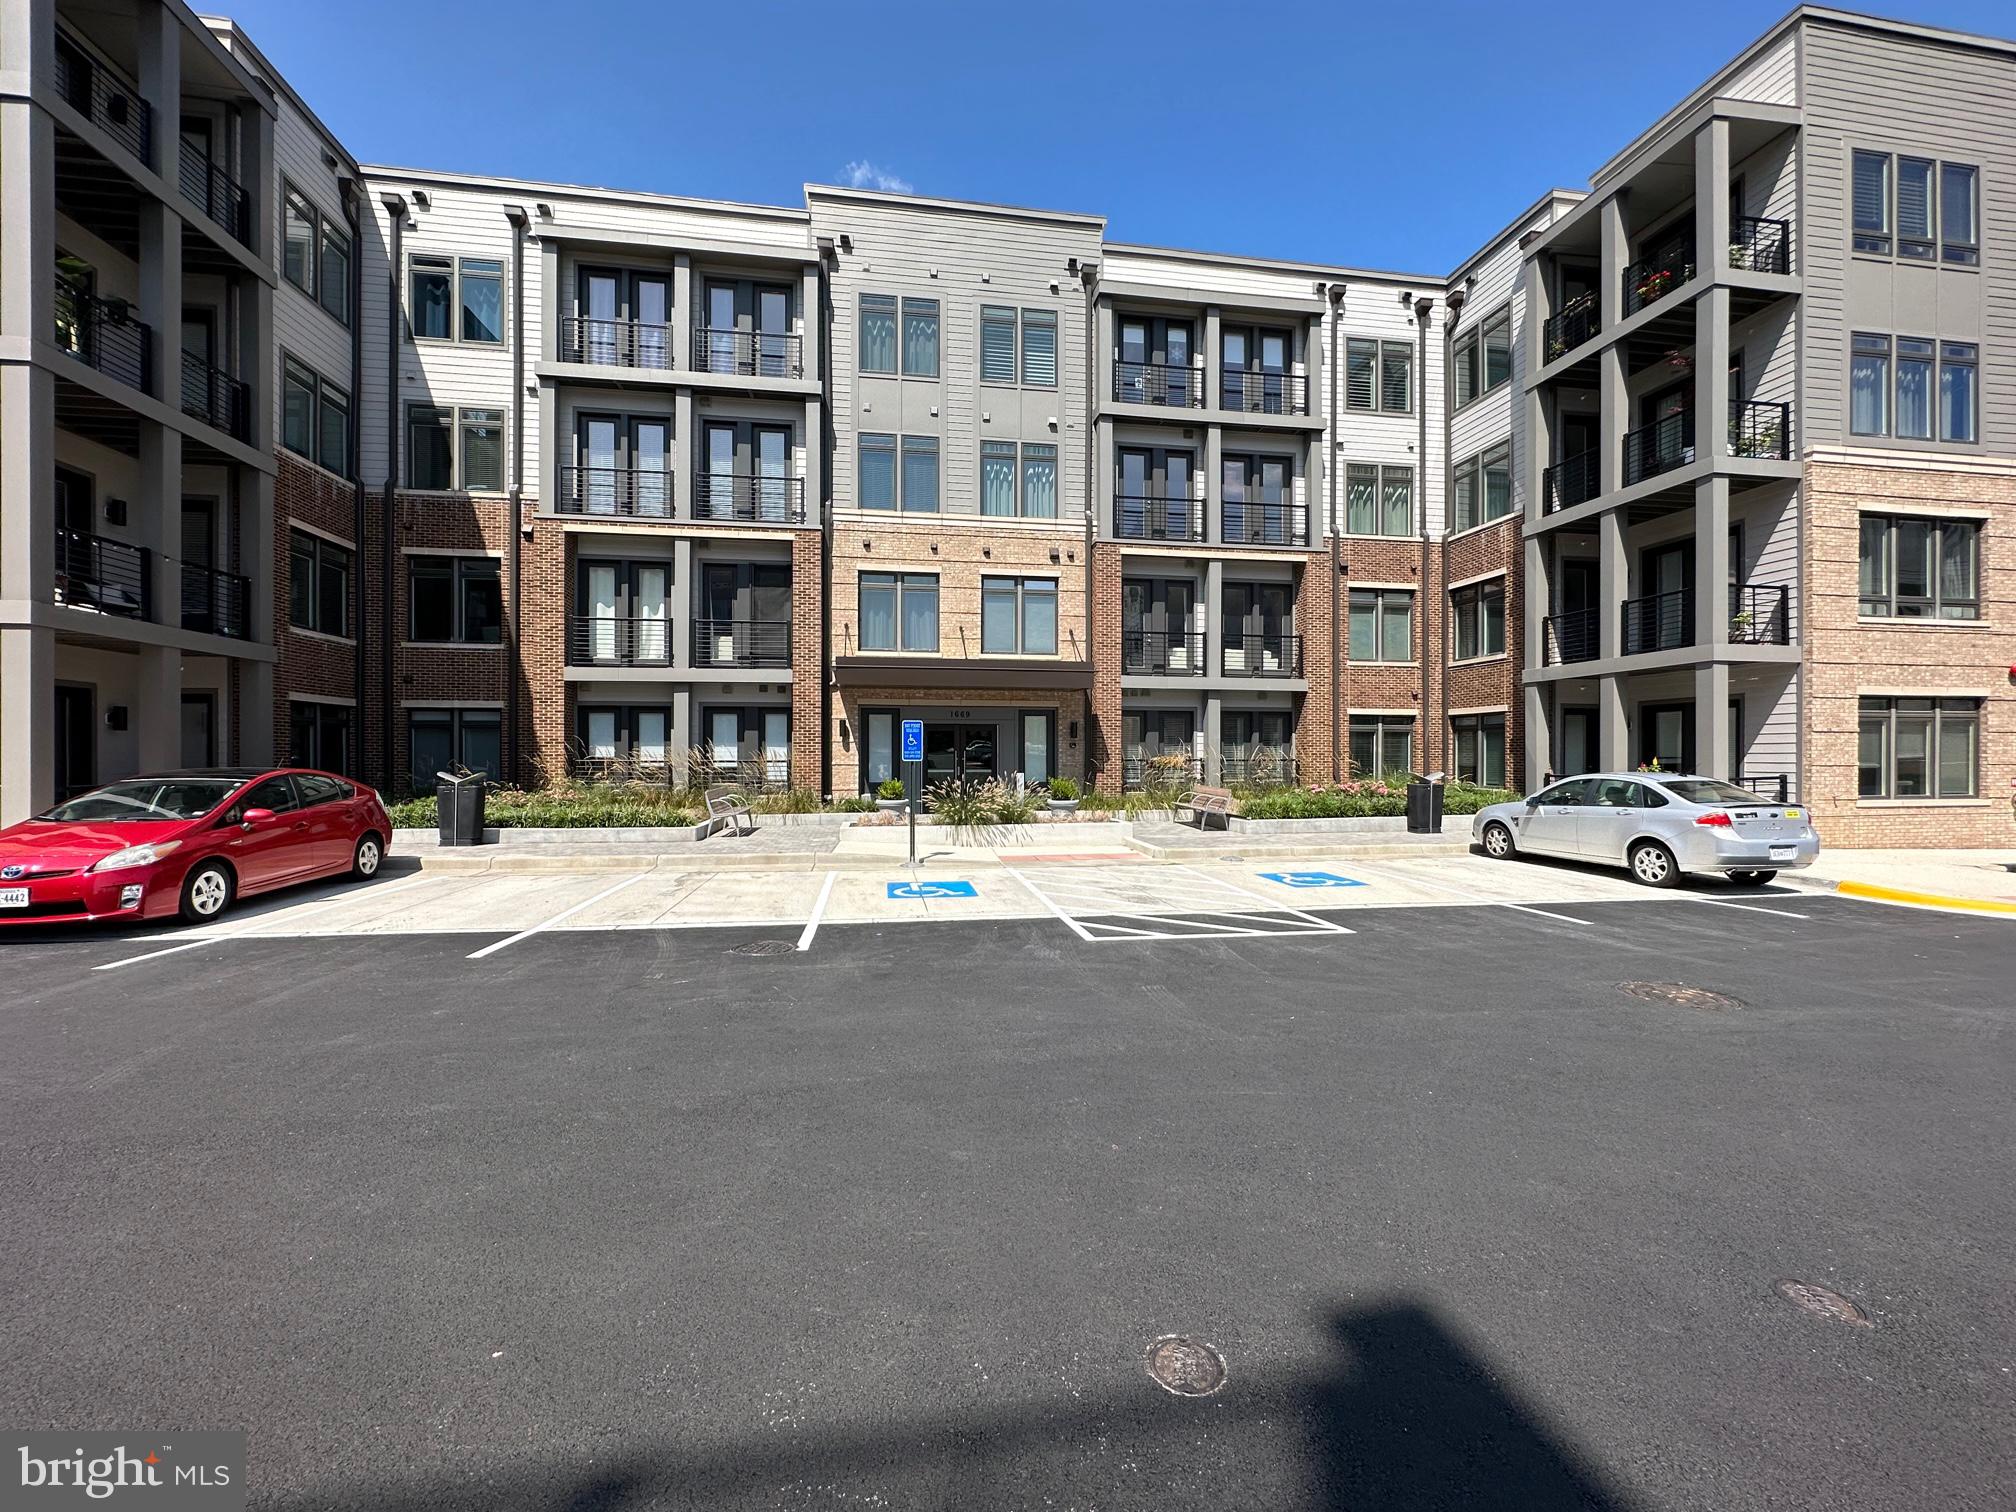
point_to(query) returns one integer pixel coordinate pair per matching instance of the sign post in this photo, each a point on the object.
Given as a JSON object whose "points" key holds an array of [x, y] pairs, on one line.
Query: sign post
{"points": [[913, 776]]}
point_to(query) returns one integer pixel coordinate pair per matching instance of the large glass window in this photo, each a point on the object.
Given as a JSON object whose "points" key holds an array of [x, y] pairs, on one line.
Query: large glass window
{"points": [[1039, 348], [1378, 501], [1869, 385], [1482, 358], [1920, 568], [1872, 201], [1915, 365], [482, 433], [1918, 748], [1483, 488], [1952, 368], [314, 417], [1027, 487], [1479, 741], [1039, 480], [482, 300], [297, 262], [920, 337], [1959, 239], [1382, 625], [899, 611], [1959, 366], [997, 477], [1382, 744], [319, 735], [316, 253], [1378, 375], [878, 471], [878, 333], [1477, 618], [297, 409], [431, 297], [455, 299], [430, 446], [997, 344], [332, 278], [920, 474], [1921, 209], [1018, 616], [456, 599], [318, 587], [441, 740]]}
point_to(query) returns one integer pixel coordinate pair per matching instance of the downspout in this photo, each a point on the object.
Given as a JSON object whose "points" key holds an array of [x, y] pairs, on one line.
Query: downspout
{"points": [[828, 263], [1339, 676], [353, 213], [395, 207], [1087, 273], [513, 659], [1429, 667], [1455, 301]]}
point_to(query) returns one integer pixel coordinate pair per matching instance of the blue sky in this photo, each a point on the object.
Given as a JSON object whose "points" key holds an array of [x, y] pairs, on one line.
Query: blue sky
{"points": [[1378, 135]]}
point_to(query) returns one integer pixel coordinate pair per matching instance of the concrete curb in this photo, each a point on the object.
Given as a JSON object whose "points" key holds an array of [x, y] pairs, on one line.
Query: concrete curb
{"points": [[1924, 899]]}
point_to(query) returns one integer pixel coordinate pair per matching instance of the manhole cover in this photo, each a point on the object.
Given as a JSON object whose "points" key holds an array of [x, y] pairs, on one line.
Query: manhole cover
{"points": [[763, 947], [1822, 1303], [1678, 995], [1185, 1366]]}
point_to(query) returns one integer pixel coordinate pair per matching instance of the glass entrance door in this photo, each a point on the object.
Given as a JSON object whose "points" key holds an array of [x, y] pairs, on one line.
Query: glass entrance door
{"points": [[1666, 736], [959, 753]]}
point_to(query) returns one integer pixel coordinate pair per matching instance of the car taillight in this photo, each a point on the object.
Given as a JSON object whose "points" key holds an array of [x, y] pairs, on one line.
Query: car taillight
{"points": [[1716, 820]]}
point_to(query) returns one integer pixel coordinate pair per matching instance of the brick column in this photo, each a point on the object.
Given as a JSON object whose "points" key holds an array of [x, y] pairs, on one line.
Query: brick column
{"points": [[808, 660], [1103, 731], [1312, 623]]}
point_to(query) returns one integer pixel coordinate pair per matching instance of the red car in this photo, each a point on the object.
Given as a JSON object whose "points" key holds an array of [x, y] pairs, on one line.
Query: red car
{"points": [[187, 843]]}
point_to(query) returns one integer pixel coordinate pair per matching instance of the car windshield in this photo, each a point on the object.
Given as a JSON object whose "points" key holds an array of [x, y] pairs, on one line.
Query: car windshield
{"points": [[147, 799], [1708, 790]]}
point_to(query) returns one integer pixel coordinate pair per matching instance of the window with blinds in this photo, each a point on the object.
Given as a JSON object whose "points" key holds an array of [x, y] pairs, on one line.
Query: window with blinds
{"points": [[997, 344], [1378, 501]]}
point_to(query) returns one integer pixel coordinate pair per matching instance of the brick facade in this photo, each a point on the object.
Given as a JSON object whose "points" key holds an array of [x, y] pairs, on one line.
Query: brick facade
{"points": [[313, 665], [808, 648], [1493, 683], [1103, 740], [1312, 623]]}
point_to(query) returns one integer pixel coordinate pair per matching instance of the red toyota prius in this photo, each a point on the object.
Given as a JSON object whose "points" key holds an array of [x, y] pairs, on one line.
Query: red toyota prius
{"points": [[187, 843]]}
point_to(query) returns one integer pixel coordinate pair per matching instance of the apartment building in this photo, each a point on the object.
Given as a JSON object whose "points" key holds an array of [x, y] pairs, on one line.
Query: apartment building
{"points": [[1709, 465]]}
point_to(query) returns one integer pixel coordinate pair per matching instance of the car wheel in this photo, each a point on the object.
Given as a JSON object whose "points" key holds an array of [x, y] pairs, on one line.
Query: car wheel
{"points": [[1752, 878], [1498, 841], [207, 892], [1653, 864], [370, 854]]}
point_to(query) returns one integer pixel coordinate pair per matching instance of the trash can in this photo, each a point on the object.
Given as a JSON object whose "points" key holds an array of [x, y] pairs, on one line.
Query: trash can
{"points": [[460, 801], [1424, 805]]}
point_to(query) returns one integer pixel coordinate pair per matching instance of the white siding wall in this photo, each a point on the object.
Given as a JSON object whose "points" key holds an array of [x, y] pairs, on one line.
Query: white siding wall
{"points": [[300, 325], [1771, 77], [1375, 309]]}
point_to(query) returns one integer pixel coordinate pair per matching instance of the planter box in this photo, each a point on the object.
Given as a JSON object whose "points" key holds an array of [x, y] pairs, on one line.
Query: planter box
{"points": [[1452, 824]]}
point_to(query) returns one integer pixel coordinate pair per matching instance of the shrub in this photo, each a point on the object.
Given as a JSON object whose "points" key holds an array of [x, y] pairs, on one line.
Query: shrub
{"points": [[960, 802], [1363, 800], [890, 787], [786, 801], [853, 804], [1010, 807], [1063, 789], [587, 805]]}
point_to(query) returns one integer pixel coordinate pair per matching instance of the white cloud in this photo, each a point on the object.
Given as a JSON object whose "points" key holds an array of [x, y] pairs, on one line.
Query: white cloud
{"points": [[862, 174]]}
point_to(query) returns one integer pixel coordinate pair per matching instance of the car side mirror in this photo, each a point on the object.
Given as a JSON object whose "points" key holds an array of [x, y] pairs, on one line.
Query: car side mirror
{"points": [[1533, 802], [256, 816]]}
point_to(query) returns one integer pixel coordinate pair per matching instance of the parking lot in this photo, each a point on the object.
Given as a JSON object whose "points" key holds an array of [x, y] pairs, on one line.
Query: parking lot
{"points": [[599, 1191]]}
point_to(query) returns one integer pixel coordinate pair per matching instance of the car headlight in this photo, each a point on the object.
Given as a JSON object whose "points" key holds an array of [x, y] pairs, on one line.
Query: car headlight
{"points": [[136, 855]]}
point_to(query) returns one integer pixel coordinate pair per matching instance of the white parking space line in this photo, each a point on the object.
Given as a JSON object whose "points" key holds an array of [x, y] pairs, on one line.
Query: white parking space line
{"points": [[1474, 898], [1178, 904], [1044, 898], [1780, 913], [254, 928], [152, 955], [818, 911], [565, 913]]}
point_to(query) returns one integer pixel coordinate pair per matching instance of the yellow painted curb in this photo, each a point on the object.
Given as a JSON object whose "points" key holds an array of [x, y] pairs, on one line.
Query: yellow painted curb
{"points": [[1932, 900]]}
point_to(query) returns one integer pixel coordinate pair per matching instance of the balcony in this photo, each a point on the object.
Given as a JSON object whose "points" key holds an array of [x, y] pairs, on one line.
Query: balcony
{"points": [[103, 333], [1648, 282], [1170, 773], [1162, 653], [213, 191], [1154, 517], [741, 643], [751, 354], [96, 572], [1575, 322], [1759, 428], [104, 99], [1662, 446], [1263, 654], [1262, 393], [1774, 787], [641, 493], [1760, 614], [216, 398], [1161, 383], [216, 602], [749, 497], [1256, 766], [616, 343], [601, 640], [1658, 622], [1758, 245], [1252, 523], [1571, 481], [1569, 637]]}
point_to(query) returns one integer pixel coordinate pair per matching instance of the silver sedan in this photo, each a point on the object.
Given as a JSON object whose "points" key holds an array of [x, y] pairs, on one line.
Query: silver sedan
{"points": [[1659, 825]]}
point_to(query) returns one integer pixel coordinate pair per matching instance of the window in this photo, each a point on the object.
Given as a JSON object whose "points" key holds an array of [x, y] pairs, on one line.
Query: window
{"points": [[455, 599], [899, 611], [1920, 568], [452, 299], [1378, 501], [1477, 613], [316, 253], [1018, 616], [1382, 743], [997, 477], [1920, 367], [1009, 336], [629, 738], [920, 338], [997, 344], [1029, 490], [920, 474], [1483, 488], [321, 735], [1480, 748], [1918, 748], [1482, 358], [1396, 377], [1382, 625], [1378, 375], [1039, 348], [482, 432], [440, 740], [1932, 209], [1039, 480], [318, 585], [314, 417], [878, 333], [430, 449], [878, 471]]}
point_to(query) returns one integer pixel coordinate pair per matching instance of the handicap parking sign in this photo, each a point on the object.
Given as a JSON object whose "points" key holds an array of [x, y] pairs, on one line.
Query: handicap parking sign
{"points": [[932, 890], [1310, 879], [913, 740]]}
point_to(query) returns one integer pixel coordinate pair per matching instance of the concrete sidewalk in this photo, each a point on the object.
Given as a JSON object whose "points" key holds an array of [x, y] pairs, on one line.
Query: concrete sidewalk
{"points": [[1984, 880]]}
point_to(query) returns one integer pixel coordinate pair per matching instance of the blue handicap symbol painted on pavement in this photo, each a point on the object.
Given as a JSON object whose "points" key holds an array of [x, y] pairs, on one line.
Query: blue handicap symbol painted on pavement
{"points": [[1311, 879], [932, 890]]}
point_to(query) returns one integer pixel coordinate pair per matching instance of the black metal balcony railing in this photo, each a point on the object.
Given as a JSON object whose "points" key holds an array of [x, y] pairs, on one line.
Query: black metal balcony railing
{"points": [[1263, 654], [1251, 523], [105, 100], [1759, 245], [1760, 614], [1571, 481], [753, 774], [757, 497], [1263, 393], [1152, 517], [643, 493], [1774, 786], [1660, 447], [1648, 282], [1174, 773], [758, 354], [213, 191], [1256, 766], [96, 572], [104, 334], [741, 643], [1760, 428], [616, 343], [213, 396], [1570, 637], [1162, 653], [1165, 383], [606, 640], [639, 764], [1658, 621], [216, 602], [1574, 323]]}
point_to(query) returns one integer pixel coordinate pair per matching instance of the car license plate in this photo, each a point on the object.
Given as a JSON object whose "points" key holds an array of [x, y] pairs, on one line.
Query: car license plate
{"points": [[1784, 852], [13, 897]]}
